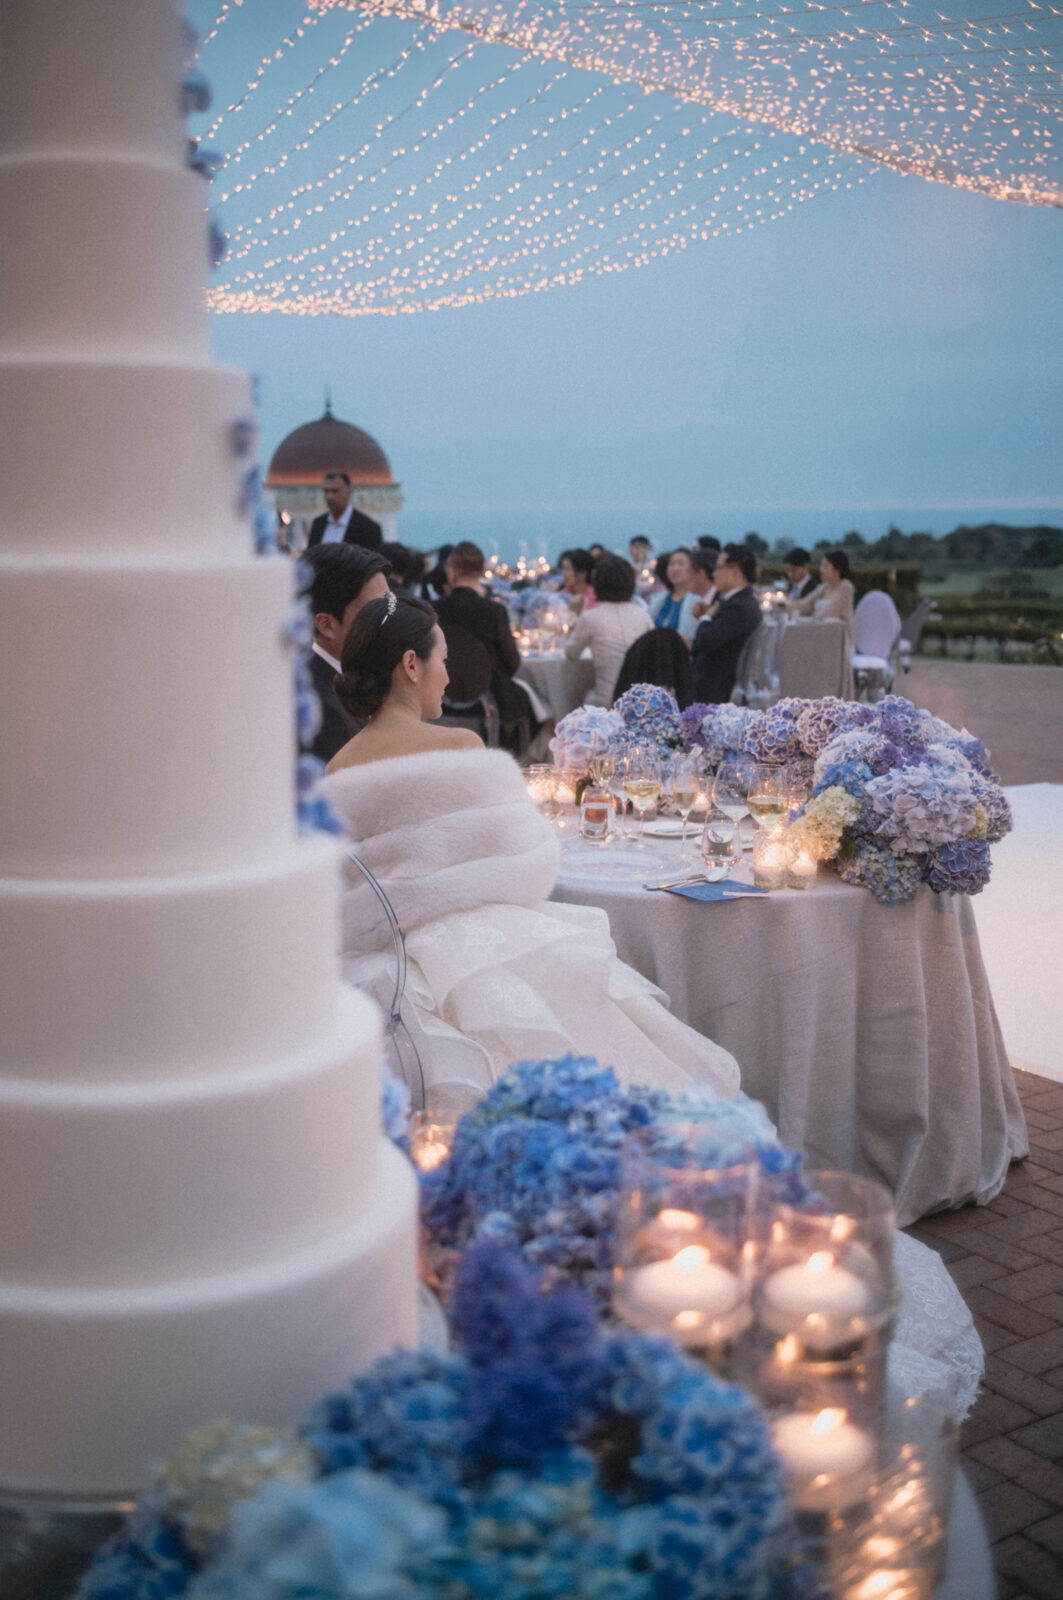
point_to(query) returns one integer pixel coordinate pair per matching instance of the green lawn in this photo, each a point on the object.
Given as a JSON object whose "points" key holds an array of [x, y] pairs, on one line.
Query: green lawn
{"points": [[961, 579]]}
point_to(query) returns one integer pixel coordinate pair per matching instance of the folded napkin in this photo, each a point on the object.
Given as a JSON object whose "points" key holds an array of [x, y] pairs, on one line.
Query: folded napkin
{"points": [[726, 889]]}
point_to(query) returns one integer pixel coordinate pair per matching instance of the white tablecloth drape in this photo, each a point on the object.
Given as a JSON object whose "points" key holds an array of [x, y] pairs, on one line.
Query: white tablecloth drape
{"points": [[868, 1031], [814, 659]]}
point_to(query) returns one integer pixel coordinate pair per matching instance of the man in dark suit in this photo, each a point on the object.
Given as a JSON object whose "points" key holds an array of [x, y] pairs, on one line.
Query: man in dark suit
{"points": [[343, 579], [343, 523], [466, 606], [798, 565], [735, 617]]}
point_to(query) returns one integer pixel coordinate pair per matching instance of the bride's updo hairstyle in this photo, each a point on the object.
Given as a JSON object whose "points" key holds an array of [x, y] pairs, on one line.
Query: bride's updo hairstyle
{"points": [[380, 636]]}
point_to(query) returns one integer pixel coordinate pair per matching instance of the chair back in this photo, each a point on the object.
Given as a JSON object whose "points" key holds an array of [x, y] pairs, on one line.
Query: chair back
{"points": [[468, 665], [912, 626], [658, 657], [876, 625], [756, 676], [386, 983]]}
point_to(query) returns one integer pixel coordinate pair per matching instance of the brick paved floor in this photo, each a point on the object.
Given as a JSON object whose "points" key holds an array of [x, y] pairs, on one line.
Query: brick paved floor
{"points": [[1007, 1261]]}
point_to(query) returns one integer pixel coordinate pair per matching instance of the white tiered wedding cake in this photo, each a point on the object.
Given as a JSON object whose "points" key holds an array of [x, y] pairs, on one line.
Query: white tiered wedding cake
{"points": [[200, 1216]]}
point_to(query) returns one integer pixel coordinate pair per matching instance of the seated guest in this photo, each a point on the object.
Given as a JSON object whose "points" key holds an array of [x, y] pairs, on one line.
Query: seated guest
{"points": [[639, 552], [435, 582], [832, 597], [343, 578], [407, 569], [576, 569], [343, 523], [703, 565], [735, 616], [798, 565], [674, 608], [497, 972], [465, 606], [611, 628]]}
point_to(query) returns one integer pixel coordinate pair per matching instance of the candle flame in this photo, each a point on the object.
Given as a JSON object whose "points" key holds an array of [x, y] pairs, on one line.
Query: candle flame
{"points": [[691, 1257], [842, 1228], [820, 1261], [829, 1419], [787, 1349], [685, 1320], [681, 1221]]}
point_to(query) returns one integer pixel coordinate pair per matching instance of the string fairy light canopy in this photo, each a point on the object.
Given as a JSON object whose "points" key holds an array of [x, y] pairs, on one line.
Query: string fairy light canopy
{"points": [[392, 156]]}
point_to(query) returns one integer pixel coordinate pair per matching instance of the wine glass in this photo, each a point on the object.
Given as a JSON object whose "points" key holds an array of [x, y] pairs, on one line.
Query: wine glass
{"points": [[603, 760], [642, 780], [718, 847], [769, 796], [686, 786]]}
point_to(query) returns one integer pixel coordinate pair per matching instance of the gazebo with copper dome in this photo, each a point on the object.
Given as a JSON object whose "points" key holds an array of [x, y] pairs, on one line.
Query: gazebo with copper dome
{"points": [[301, 461]]}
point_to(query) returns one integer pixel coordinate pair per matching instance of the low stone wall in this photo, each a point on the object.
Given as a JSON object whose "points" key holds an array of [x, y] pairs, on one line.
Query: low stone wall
{"points": [[1016, 711]]}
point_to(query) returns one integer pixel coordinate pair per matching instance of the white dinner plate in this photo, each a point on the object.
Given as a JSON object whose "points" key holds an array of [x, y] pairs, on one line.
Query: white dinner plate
{"points": [[667, 828]]}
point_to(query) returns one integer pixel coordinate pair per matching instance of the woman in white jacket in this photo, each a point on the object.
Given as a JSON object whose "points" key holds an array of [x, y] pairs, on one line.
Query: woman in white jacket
{"points": [[497, 972]]}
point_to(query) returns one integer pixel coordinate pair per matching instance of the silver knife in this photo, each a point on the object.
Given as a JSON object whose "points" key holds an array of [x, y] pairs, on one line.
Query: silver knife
{"points": [[676, 883]]}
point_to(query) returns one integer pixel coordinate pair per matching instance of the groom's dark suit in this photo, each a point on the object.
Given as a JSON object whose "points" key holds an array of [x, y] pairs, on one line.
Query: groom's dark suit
{"points": [[337, 725], [360, 530]]}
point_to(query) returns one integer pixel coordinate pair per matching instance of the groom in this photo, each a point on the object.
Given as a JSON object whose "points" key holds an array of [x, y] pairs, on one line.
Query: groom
{"points": [[343, 578]]}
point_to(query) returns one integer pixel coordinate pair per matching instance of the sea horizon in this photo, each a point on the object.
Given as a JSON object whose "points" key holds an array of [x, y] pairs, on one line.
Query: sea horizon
{"points": [[532, 531]]}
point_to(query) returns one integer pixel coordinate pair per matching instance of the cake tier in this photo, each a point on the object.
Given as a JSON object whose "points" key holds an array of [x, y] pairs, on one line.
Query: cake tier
{"points": [[107, 1382], [151, 708], [115, 458], [105, 258], [152, 980], [112, 1185], [98, 75]]}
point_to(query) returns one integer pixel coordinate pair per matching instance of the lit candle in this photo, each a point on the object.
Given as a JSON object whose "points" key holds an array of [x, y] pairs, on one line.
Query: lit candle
{"points": [[815, 1299], [697, 1299], [887, 1585], [801, 873], [827, 1459], [430, 1144]]}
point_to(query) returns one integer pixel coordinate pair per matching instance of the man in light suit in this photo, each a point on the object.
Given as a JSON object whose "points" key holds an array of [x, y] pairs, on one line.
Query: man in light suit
{"points": [[343, 523], [798, 565], [735, 616], [343, 578]]}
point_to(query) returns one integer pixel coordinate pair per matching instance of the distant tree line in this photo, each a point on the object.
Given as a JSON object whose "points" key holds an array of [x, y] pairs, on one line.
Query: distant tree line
{"points": [[991, 544]]}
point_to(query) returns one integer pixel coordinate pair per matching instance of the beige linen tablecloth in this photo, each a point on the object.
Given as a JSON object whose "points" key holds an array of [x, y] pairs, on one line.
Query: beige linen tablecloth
{"points": [[813, 659], [558, 684], [868, 1031]]}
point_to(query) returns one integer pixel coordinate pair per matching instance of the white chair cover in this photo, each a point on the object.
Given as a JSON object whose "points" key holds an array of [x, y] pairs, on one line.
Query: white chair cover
{"points": [[876, 625]]}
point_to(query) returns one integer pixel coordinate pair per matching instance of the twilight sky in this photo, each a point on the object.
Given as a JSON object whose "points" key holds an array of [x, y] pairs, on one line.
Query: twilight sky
{"points": [[898, 343]]}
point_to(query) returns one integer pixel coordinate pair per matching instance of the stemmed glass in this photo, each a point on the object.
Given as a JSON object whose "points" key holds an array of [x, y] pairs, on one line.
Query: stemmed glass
{"points": [[642, 780], [686, 786], [769, 796]]}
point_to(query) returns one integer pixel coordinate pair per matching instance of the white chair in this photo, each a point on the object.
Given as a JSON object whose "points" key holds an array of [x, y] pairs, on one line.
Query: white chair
{"points": [[876, 640], [756, 678]]}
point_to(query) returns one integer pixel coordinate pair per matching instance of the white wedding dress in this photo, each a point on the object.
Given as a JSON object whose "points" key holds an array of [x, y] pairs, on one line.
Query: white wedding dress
{"points": [[497, 972]]}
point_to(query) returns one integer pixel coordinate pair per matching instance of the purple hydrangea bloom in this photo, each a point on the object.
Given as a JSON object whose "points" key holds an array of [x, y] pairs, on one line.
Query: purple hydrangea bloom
{"points": [[959, 868], [773, 736], [923, 806], [892, 879]]}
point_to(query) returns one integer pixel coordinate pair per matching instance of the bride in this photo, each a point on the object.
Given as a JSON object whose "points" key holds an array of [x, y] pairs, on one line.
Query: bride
{"points": [[497, 972]]}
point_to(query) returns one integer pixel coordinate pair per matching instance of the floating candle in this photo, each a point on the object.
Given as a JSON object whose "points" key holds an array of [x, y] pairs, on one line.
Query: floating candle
{"points": [[828, 1460], [817, 1300], [691, 1295]]}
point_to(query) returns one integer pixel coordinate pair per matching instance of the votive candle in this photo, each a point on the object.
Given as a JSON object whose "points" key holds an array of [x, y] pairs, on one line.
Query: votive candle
{"points": [[692, 1295], [827, 1458], [815, 1299]]}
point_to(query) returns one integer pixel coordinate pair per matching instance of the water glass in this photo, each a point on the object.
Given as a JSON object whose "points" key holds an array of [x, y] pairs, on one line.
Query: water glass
{"points": [[718, 839]]}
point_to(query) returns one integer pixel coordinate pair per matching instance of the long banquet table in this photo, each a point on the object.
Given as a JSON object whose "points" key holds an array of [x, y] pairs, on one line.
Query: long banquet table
{"points": [[868, 1031], [560, 685], [810, 657]]}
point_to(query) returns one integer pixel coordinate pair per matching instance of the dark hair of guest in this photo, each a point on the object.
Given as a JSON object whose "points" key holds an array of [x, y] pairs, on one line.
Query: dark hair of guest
{"points": [[703, 560], [742, 557], [614, 579], [375, 645], [582, 560], [839, 561], [337, 575], [344, 475], [797, 557], [708, 541], [660, 569]]}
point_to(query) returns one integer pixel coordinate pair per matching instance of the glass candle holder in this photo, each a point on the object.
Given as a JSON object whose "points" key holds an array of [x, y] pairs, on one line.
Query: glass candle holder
{"points": [[771, 855], [539, 780], [800, 871], [828, 1457], [682, 1262]]}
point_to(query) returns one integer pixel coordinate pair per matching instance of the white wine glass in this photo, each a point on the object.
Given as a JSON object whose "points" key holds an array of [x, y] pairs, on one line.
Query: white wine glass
{"points": [[718, 847], [686, 787], [769, 796], [603, 760], [642, 781]]}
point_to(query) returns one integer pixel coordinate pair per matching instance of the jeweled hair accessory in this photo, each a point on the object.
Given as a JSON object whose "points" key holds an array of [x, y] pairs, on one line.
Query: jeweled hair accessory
{"points": [[391, 602]]}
